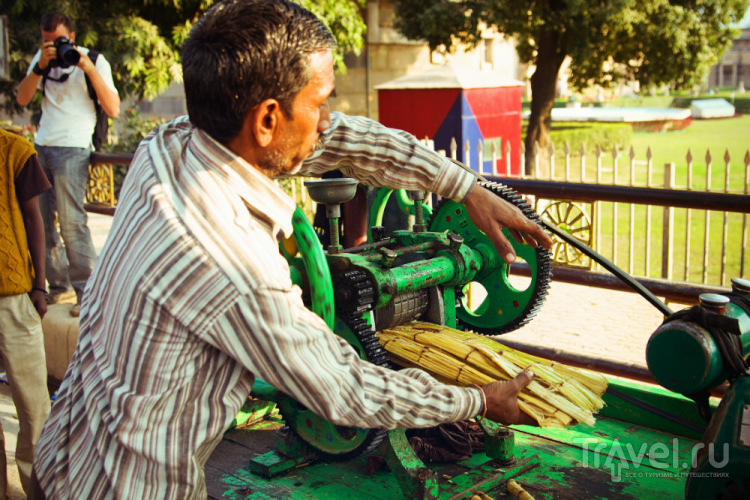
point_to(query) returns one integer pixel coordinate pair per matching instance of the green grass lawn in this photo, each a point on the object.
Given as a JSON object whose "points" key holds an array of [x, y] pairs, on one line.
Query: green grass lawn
{"points": [[702, 260], [718, 136]]}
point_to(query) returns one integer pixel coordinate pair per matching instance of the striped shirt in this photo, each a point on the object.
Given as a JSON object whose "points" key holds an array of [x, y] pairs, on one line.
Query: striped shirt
{"points": [[191, 299]]}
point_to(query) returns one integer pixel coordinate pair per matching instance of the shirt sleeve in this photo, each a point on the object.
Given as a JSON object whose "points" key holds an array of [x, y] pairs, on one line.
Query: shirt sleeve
{"points": [[105, 70], [384, 157], [31, 180], [272, 334]]}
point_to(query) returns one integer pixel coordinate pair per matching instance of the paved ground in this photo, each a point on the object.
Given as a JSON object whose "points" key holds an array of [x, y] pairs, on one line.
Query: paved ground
{"points": [[587, 321]]}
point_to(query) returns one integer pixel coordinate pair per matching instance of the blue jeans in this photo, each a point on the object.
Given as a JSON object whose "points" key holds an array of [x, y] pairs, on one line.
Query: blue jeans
{"points": [[70, 260]]}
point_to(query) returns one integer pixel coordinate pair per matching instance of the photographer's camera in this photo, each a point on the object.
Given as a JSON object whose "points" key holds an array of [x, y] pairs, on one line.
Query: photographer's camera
{"points": [[67, 55]]}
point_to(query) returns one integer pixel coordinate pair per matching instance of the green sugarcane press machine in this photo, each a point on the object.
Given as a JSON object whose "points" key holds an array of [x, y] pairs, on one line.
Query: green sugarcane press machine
{"points": [[648, 442]]}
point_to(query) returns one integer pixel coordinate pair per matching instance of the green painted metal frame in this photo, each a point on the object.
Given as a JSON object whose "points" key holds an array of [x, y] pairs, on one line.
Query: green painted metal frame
{"points": [[404, 203], [609, 460]]}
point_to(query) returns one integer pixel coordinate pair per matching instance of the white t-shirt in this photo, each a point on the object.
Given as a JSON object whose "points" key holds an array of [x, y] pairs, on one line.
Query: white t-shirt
{"points": [[68, 115]]}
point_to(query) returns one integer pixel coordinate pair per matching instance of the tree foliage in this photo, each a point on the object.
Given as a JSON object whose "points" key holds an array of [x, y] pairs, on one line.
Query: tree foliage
{"points": [[654, 42], [141, 38]]}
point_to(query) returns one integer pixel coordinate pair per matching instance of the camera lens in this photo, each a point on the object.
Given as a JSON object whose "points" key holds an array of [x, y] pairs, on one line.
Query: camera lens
{"points": [[69, 55]]}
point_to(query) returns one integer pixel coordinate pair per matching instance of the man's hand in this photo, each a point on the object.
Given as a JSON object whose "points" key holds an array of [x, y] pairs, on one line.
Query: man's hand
{"points": [[491, 214], [85, 63], [47, 54], [40, 302], [502, 400]]}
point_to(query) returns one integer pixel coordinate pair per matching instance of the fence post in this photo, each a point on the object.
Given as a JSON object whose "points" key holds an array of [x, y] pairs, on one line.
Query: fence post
{"points": [[598, 204], [615, 154], [493, 154], [649, 168], [707, 219], [480, 157], [743, 242], [507, 159], [631, 246], [583, 162], [551, 161], [467, 154], [725, 226], [688, 215], [667, 249]]}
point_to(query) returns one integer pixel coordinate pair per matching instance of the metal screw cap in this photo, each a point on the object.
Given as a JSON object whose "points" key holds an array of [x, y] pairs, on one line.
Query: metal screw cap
{"points": [[714, 302], [740, 285]]}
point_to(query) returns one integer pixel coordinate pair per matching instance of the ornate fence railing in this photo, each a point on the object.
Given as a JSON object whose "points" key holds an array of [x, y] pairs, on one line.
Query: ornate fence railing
{"points": [[677, 239]]}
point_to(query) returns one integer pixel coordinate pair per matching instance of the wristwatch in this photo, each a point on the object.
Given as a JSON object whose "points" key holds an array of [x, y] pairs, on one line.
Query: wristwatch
{"points": [[37, 70]]}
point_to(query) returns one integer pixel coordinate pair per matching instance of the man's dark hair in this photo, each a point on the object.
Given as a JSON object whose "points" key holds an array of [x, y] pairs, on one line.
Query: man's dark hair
{"points": [[51, 20], [242, 52]]}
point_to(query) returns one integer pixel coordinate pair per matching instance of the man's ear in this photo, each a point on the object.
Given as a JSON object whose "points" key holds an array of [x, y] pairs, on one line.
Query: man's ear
{"points": [[72, 36], [265, 121]]}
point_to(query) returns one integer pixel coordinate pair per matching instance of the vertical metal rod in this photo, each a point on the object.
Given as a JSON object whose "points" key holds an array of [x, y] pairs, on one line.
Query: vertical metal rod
{"points": [[467, 153], [668, 226], [724, 228], [480, 156], [583, 163], [743, 242], [614, 207], [598, 204], [689, 221], [551, 161], [333, 225], [631, 247], [707, 220], [508, 158]]}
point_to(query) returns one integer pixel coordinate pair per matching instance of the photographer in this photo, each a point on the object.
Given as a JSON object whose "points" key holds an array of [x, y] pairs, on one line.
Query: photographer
{"points": [[60, 70]]}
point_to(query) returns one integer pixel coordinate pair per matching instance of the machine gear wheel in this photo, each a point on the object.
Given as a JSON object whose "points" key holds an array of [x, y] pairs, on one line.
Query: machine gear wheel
{"points": [[504, 308]]}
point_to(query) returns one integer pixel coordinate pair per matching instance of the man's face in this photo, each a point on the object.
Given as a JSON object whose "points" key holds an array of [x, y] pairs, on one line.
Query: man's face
{"points": [[310, 116]]}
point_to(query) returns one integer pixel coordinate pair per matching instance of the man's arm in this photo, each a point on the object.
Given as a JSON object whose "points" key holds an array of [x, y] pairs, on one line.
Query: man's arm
{"points": [[32, 219], [28, 86], [383, 157], [108, 99]]}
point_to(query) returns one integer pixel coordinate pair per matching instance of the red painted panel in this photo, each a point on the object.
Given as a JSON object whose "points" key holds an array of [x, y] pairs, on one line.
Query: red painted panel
{"points": [[418, 111], [497, 112]]}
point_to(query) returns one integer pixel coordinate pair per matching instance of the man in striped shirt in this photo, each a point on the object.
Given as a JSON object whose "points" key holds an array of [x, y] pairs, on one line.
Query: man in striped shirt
{"points": [[191, 300]]}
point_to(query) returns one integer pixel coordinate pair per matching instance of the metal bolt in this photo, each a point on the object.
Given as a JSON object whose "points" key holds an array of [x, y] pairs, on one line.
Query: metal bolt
{"points": [[714, 302], [740, 285], [378, 232]]}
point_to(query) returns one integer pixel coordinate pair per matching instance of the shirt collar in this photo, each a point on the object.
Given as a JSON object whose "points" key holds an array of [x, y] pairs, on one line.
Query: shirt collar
{"points": [[260, 194]]}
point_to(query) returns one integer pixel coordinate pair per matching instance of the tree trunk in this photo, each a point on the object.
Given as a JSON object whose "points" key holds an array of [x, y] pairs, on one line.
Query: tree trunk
{"points": [[550, 56]]}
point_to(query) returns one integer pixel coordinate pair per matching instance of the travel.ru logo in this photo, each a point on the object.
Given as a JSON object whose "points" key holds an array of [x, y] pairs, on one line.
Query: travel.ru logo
{"points": [[625, 460]]}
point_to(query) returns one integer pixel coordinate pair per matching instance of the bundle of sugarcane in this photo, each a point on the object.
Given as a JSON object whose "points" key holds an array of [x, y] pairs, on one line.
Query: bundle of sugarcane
{"points": [[559, 395]]}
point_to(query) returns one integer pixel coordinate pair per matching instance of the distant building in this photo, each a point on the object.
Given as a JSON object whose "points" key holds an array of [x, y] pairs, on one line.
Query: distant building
{"points": [[734, 67], [388, 55]]}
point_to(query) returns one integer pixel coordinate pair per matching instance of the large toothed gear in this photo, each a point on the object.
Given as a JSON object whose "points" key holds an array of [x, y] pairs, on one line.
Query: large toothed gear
{"points": [[505, 307]]}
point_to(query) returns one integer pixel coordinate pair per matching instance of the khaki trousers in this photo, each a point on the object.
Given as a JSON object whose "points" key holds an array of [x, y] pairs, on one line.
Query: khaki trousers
{"points": [[22, 355]]}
